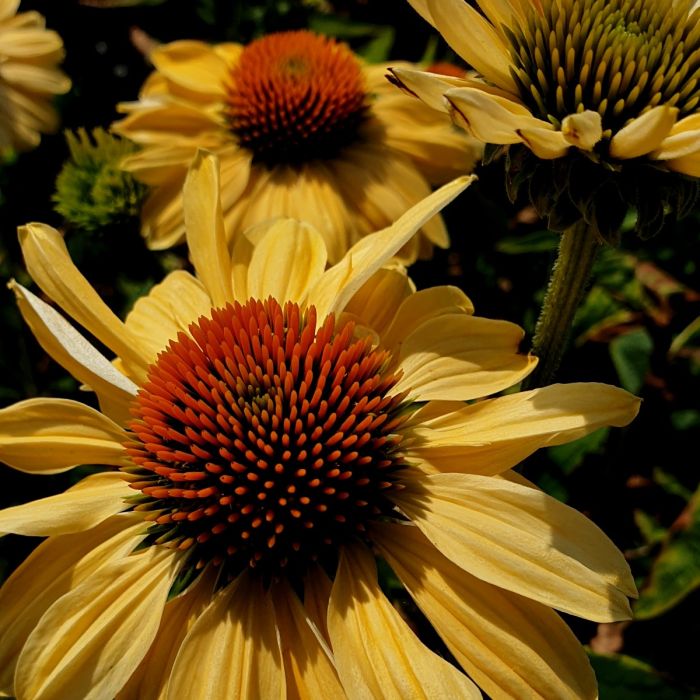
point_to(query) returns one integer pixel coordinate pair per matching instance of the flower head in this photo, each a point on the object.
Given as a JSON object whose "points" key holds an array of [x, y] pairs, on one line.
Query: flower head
{"points": [[273, 428], [29, 77], [302, 127], [597, 103]]}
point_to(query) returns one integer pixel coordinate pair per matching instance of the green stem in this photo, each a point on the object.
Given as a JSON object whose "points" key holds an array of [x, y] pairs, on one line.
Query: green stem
{"points": [[577, 251]]}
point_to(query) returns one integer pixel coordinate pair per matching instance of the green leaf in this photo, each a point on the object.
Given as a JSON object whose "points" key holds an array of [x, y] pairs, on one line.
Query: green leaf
{"points": [[676, 571], [622, 677], [631, 355]]}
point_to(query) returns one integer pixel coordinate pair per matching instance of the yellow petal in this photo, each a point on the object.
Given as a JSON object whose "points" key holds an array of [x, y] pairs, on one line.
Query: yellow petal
{"points": [[688, 165], [288, 260], [491, 118], [56, 566], [339, 284], [583, 130], [192, 64], [317, 593], [376, 653], [474, 39], [511, 646], [307, 658], [544, 143], [643, 134], [167, 309], [8, 8], [162, 215], [150, 680], [421, 7], [492, 436], [204, 223], [428, 87], [522, 540], [683, 139], [232, 650], [46, 436], [50, 266], [90, 641], [461, 357], [81, 507], [62, 342]]}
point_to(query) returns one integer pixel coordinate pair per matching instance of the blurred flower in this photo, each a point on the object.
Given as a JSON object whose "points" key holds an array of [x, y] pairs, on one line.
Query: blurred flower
{"points": [[302, 128], [92, 191], [29, 78], [597, 104], [276, 426]]}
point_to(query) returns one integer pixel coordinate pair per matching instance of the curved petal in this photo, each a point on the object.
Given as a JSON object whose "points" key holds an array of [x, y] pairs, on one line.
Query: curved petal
{"points": [[81, 507], [162, 217], [511, 646], [583, 130], [544, 143], [204, 224], [50, 266], [232, 650], [90, 641], [317, 593], [339, 284], [62, 342], [522, 540], [461, 357], [688, 165], [492, 436], [53, 569], [643, 134], [192, 64], [376, 653], [47, 436], [289, 259], [683, 139], [421, 7], [308, 662], [427, 87]]}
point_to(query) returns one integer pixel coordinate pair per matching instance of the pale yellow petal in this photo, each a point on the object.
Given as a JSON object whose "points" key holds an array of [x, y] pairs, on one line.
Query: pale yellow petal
{"points": [[81, 507], [232, 650], [583, 130], [492, 436], [162, 214], [339, 284], [683, 139], [461, 357], [193, 64], [204, 224], [428, 87], [491, 118], [474, 39], [90, 641], [168, 308], [511, 646], [545, 143], [53, 569], [688, 165], [150, 679], [62, 342], [643, 134], [522, 540], [289, 259], [308, 662], [377, 655], [49, 264], [8, 8], [46, 436]]}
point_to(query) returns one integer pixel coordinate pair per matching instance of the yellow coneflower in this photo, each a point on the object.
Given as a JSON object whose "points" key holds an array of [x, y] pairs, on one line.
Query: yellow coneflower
{"points": [[302, 127], [274, 427], [29, 77]]}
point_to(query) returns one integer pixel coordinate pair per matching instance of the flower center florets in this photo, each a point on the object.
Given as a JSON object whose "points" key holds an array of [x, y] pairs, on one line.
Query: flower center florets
{"points": [[294, 97], [263, 440]]}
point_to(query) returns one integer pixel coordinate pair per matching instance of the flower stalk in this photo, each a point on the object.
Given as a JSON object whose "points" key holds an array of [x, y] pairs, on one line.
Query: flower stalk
{"points": [[569, 279]]}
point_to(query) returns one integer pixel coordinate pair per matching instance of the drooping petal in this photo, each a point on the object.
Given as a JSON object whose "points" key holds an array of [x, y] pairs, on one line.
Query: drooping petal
{"points": [[308, 663], [49, 264], [338, 284], [511, 646], [204, 224], [522, 540], [62, 342], [47, 436], [683, 139], [90, 641], [81, 507], [428, 87], [317, 593], [232, 650], [55, 567], [583, 130], [492, 436], [545, 143], [643, 134], [461, 357], [376, 653]]}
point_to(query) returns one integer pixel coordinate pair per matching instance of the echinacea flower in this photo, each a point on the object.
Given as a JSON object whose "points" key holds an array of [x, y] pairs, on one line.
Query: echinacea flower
{"points": [[274, 427], [302, 128], [29, 77], [597, 102]]}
